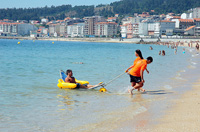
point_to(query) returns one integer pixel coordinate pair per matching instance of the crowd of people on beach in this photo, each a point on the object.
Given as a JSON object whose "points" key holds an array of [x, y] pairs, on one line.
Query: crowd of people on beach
{"points": [[174, 45]]}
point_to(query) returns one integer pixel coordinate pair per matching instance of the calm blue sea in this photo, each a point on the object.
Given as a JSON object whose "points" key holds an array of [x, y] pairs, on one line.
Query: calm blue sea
{"points": [[31, 101]]}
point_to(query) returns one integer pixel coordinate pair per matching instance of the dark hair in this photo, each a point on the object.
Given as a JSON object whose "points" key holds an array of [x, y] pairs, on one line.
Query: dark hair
{"points": [[150, 58], [68, 71], [139, 53]]}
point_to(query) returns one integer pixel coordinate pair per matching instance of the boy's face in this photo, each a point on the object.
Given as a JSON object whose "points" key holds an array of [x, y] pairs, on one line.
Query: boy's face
{"points": [[70, 74], [148, 61]]}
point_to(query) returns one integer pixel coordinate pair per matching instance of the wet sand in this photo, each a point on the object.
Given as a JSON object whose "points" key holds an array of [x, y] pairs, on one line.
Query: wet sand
{"points": [[184, 115]]}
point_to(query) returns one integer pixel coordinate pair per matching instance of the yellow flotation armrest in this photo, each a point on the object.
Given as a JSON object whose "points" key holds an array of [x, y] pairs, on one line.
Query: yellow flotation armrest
{"points": [[81, 82], [62, 84]]}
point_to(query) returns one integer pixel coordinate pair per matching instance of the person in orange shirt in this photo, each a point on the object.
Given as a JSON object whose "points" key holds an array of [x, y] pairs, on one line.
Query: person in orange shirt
{"points": [[136, 74], [139, 56]]}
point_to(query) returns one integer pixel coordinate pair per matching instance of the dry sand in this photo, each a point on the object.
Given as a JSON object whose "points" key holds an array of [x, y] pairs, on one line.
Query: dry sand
{"points": [[184, 116]]}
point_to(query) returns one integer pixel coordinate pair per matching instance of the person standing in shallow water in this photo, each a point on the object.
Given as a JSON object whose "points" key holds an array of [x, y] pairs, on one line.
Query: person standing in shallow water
{"points": [[197, 47], [139, 56], [163, 53], [136, 74]]}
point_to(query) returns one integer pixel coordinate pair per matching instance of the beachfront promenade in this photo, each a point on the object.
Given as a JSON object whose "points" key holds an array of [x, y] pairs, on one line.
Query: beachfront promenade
{"points": [[112, 40]]}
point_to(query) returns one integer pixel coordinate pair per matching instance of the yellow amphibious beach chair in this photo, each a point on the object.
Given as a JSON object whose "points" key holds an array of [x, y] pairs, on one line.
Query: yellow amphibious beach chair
{"points": [[63, 84]]}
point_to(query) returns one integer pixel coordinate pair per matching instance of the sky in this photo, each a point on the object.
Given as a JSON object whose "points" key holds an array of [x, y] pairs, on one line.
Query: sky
{"points": [[43, 3]]}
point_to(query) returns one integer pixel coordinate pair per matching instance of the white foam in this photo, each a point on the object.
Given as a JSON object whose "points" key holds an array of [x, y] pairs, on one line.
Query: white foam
{"points": [[194, 63], [179, 78], [168, 86], [195, 55], [141, 110], [124, 90]]}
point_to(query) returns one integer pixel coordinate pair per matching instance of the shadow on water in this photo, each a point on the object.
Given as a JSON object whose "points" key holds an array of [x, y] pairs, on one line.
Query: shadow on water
{"points": [[157, 92]]}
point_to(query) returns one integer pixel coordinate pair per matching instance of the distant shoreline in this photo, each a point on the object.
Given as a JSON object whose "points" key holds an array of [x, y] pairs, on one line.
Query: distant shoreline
{"points": [[109, 40]]}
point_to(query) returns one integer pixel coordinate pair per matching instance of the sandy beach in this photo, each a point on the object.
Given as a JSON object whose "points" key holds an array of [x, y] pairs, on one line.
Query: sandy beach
{"points": [[184, 115]]}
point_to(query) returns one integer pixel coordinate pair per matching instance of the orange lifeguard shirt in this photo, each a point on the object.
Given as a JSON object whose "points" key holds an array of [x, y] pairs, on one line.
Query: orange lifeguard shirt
{"points": [[140, 65], [136, 60]]}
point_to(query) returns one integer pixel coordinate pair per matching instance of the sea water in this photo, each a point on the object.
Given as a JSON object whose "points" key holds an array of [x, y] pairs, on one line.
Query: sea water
{"points": [[31, 101]]}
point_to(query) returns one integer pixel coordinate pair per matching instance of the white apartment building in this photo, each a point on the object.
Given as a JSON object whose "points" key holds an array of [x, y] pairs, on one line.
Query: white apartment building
{"points": [[196, 12], [123, 31], [156, 29], [166, 25], [105, 29], [76, 30], [59, 29], [186, 16], [143, 29], [21, 29]]}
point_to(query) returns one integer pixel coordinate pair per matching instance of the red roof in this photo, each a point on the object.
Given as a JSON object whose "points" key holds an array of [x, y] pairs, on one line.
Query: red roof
{"points": [[106, 23], [197, 19], [186, 20], [176, 17], [112, 18], [189, 28], [9, 23]]}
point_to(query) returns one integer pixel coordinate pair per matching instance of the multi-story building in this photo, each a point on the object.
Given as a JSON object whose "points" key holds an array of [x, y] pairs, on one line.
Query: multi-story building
{"points": [[10, 29], [107, 29], [143, 29], [156, 29], [197, 22], [197, 31], [185, 23], [59, 29], [165, 25], [196, 12], [76, 30], [90, 24], [135, 30], [123, 31]]}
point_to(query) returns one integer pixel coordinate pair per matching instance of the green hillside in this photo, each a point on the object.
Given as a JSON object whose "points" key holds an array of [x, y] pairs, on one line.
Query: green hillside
{"points": [[124, 7]]}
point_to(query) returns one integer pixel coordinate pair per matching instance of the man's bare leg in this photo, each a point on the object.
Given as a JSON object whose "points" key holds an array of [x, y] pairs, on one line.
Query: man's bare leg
{"points": [[137, 86], [130, 90]]}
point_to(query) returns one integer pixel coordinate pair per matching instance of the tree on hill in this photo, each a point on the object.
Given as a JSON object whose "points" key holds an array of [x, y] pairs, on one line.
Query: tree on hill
{"points": [[123, 7]]}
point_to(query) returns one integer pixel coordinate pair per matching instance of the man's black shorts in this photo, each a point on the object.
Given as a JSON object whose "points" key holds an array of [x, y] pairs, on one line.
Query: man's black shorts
{"points": [[135, 79], [78, 85]]}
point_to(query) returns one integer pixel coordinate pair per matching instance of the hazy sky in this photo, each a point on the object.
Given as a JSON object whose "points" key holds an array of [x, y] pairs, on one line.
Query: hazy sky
{"points": [[43, 3]]}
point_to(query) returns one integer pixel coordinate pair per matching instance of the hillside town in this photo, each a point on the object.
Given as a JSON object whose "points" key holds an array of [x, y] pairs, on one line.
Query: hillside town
{"points": [[137, 26]]}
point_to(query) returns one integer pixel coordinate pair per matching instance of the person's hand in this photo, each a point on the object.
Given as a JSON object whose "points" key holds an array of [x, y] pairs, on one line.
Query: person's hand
{"points": [[147, 71], [126, 71], [143, 81]]}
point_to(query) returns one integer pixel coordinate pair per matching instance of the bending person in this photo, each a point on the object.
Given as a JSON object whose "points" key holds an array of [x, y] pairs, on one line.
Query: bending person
{"points": [[139, 56], [136, 74], [71, 79]]}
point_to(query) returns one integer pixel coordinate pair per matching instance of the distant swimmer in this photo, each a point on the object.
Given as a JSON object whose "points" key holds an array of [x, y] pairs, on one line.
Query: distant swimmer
{"points": [[175, 50], [136, 74], [71, 79], [159, 52], [183, 50], [163, 53], [197, 46], [151, 48], [78, 63]]}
